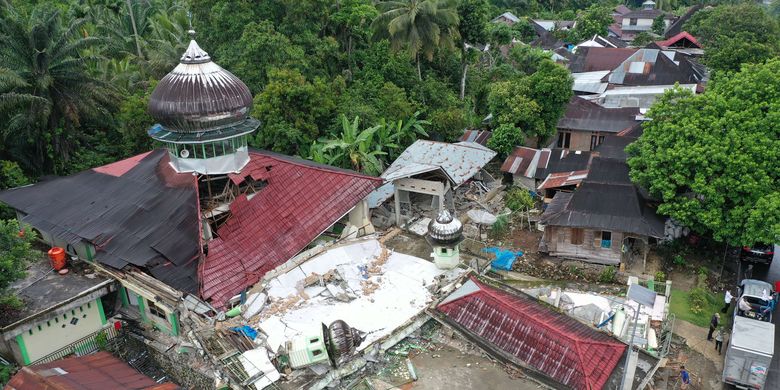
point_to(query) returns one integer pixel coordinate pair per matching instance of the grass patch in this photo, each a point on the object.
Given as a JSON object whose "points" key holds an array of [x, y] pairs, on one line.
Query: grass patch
{"points": [[681, 308]]}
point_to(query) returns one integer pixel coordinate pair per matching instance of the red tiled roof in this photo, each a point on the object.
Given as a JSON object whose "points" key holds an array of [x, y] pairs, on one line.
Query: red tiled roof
{"points": [[558, 346], [562, 179], [99, 371], [673, 40], [299, 202]]}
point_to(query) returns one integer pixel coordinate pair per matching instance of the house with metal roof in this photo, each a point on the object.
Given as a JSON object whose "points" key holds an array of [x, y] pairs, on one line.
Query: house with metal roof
{"points": [[427, 172], [59, 309], [603, 220], [584, 124], [513, 327], [641, 20], [99, 371]]}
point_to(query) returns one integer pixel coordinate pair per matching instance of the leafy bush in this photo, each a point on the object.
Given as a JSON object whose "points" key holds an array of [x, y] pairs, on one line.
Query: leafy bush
{"points": [[697, 299], [519, 199], [660, 276], [679, 261], [608, 275]]}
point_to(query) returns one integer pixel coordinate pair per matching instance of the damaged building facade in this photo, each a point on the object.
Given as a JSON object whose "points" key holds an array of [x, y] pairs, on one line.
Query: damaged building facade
{"points": [[182, 231]]}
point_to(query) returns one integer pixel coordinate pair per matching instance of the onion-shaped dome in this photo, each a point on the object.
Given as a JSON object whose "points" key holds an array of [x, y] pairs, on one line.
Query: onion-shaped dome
{"points": [[343, 339], [445, 228], [198, 95]]}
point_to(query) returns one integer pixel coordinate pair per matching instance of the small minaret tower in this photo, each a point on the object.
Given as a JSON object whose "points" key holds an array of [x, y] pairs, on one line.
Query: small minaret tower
{"points": [[445, 234], [202, 114]]}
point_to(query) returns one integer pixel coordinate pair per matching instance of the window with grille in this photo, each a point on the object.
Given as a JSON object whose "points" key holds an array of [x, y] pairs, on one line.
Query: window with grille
{"points": [[157, 311]]}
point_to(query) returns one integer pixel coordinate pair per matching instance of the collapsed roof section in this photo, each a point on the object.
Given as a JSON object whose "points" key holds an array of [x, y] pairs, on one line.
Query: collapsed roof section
{"points": [[510, 323], [459, 162], [300, 201], [136, 212]]}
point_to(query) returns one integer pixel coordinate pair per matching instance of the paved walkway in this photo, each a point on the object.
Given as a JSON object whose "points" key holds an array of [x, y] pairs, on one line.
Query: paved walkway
{"points": [[696, 339]]}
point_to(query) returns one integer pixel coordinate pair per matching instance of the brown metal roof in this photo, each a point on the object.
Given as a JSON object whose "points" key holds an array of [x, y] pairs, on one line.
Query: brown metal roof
{"points": [[100, 371], [591, 59]]}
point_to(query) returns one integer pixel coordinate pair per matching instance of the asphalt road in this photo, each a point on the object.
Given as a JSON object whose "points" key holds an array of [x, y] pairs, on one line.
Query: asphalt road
{"points": [[771, 274]]}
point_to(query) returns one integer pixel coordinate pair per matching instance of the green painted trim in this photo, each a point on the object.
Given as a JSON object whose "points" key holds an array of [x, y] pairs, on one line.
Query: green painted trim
{"points": [[100, 310], [142, 308], [174, 323], [23, 349], [123, 296], [89, 252]]}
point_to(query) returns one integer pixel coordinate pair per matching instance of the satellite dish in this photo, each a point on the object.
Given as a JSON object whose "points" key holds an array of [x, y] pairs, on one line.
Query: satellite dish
{"points": [[184, 153]]}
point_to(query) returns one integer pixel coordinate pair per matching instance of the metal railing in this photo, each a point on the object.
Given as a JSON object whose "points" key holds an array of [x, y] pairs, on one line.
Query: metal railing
{"points": [[667, 332], [84, 346]]}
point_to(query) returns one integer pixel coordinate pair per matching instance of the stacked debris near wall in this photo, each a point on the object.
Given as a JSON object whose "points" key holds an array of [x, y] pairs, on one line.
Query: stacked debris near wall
{"points": [[158, 364]]}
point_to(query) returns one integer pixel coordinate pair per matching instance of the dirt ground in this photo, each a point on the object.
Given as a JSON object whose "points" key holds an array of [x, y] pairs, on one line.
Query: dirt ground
{"points": [[449, 369], [704, 373]]}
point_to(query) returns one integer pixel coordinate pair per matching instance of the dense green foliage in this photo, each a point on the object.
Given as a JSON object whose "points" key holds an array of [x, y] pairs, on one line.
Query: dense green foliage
{"points": [[592, 21], [15, 251], [714, 159], [76, 76], [735, 34]]}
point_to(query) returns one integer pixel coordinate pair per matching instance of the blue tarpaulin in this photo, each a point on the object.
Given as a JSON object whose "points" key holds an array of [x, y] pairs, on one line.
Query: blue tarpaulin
{"points": [[246, 330], [504, 257]]}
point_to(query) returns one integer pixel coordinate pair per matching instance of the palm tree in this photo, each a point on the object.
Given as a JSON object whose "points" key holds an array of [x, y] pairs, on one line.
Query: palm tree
{"points": [[421, 26], [356, 147], [47, 57]]}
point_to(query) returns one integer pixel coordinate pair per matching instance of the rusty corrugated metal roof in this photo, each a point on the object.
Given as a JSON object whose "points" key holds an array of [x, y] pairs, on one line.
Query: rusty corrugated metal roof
{"points": [[100, 371], [563, 179], [553, 344]]}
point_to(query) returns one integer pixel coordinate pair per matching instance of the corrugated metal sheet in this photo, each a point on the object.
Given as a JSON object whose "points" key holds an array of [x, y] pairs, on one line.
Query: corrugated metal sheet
{"points": [[137, 211], [555, 345], [585, 115], [478, 136], [525, 161], [100, 371], [460, 162], [563, 179], [300, 201]]}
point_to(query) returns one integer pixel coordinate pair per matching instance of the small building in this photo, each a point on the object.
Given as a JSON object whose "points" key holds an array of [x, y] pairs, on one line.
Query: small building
{"points": [[99, 371], [585, 124], [641, 20], [604, 220], [59, 311], [507, 18], [427, 172]]}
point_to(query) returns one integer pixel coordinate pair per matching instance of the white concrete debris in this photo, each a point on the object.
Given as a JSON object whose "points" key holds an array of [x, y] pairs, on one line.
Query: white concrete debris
{"points": [[256, 361], [382, 297]]}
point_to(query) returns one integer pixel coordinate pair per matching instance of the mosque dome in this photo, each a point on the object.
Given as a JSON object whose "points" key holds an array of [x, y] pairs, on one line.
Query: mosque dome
{"points": [[198, 95], [445, 228]]}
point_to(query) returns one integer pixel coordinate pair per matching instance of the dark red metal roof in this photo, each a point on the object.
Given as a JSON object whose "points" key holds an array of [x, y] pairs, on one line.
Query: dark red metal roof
{"points": [[99, 371], [558, 346], [299, 202]]}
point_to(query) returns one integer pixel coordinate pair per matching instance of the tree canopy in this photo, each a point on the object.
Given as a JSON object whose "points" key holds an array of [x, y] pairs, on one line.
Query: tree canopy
{"points": [[713, 160], [735, 34]]}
